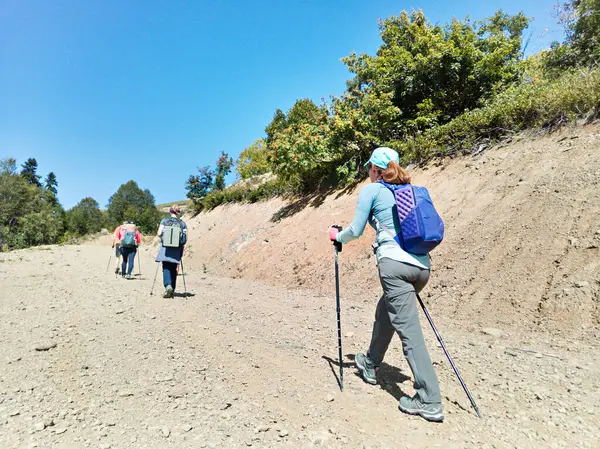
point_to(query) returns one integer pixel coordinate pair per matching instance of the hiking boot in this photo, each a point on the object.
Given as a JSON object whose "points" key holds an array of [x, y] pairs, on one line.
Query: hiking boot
{"points": [[368, 371], [168, 292], [129, 277], [413, 406]]}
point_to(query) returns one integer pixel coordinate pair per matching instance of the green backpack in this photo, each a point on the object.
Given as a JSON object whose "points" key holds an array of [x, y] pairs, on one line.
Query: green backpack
{"points": [[173, 236], [128, 239]]}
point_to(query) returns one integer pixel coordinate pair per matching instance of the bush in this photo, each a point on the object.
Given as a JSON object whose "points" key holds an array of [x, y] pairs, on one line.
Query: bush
{"points": [[542, 104], [243, 194], [39, 228], [253, 160]]}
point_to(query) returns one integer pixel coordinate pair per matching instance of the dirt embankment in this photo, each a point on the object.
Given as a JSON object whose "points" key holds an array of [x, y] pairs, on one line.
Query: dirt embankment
{"points": [[521, 247]]}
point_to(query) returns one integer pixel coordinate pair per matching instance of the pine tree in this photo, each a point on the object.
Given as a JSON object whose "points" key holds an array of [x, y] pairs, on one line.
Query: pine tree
{"points": [[29, 172], [51, 183], [224, 164]]}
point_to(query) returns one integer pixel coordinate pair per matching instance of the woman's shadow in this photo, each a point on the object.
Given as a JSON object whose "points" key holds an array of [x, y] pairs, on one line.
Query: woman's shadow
{"points": [[389, 376]]}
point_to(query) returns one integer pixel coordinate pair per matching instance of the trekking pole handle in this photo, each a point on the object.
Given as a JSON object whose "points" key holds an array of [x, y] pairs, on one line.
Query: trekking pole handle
{"points": [[338, 245]]}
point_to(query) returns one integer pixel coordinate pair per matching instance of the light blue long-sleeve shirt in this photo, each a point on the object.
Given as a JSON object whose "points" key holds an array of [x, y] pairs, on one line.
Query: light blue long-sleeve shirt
{"points": [[377, 201]]}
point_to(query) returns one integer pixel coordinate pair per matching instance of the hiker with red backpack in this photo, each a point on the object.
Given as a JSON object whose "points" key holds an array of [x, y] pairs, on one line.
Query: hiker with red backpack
{"points": [[129, 239], [402, 274], [173, 235], [117, 236]]}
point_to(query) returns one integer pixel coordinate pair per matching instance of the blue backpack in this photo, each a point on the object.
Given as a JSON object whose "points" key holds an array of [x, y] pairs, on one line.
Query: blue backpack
{"points": [[421, 228]]}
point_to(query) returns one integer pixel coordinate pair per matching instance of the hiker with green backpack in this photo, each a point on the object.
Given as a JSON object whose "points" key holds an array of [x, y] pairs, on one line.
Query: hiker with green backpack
{"points": [[402, 274], [129, 240], [173, 234]]}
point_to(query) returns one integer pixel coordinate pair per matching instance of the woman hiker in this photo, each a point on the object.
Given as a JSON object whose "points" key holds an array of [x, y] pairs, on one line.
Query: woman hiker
{"points": [[402, 276], [171, 252], [117, 236], [129, 240]]}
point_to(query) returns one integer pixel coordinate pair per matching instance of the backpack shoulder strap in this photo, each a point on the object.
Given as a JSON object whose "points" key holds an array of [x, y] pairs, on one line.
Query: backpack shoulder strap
{"points": [[173, 220]]}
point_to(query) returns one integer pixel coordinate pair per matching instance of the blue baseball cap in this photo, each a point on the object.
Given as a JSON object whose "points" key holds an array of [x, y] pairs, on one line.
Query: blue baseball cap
{"points": [[382, 156]]}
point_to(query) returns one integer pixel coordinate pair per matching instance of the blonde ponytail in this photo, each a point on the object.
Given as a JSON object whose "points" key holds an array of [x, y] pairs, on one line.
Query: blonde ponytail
{"points": [[394, 174]]}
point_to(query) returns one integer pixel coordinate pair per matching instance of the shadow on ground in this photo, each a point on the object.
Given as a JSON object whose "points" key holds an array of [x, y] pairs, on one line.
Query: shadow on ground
{"points": [[389, 377], [184, 295]]}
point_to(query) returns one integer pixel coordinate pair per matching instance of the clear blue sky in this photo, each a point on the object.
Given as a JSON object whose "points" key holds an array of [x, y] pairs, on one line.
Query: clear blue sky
{"points": [[104, 91]]}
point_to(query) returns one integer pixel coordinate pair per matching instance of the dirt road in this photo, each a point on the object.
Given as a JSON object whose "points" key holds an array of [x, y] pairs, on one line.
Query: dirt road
{"points": [[243, 364]]}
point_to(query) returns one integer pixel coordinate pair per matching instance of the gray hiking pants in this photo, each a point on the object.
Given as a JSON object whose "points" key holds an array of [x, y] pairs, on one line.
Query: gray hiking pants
{"points": [[397, 312]]}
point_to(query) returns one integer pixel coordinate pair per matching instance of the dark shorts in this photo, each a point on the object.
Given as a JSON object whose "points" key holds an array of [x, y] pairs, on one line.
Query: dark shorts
{"points": [[118, 250], [126, 250]]}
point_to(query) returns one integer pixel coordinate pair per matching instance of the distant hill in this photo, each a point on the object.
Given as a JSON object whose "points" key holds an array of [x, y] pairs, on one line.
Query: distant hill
{"points": [[165, 206]]}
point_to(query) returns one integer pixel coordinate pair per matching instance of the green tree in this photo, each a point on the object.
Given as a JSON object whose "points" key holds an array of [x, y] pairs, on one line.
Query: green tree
{"points": [[198, 186], [253, 160], [279, 123], [130, 202], [85, 218], [298, 142], [585, 35], [29, 172], [362, 120], [40, 228], [29, 215], [303, 111], [50, 190], [17, 198], [51, 183], [434, 73], [8, 166], [300, 150], [581, 19], [224, 165]]}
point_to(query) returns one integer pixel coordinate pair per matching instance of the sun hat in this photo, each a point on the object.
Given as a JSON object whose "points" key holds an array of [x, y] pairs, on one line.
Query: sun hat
{"points": [[382, 156]]}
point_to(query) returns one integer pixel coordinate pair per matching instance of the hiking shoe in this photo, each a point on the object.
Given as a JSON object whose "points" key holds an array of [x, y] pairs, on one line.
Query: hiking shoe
{"points": [[168, 292], [129, 277], [368, 371], [413, 406]]}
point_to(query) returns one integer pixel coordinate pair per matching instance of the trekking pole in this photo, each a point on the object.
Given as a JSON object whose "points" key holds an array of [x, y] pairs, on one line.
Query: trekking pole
{"points": [[454, 367], [338, 248], [108, 266], [183, 274], [155, 274], [139, 264]]}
